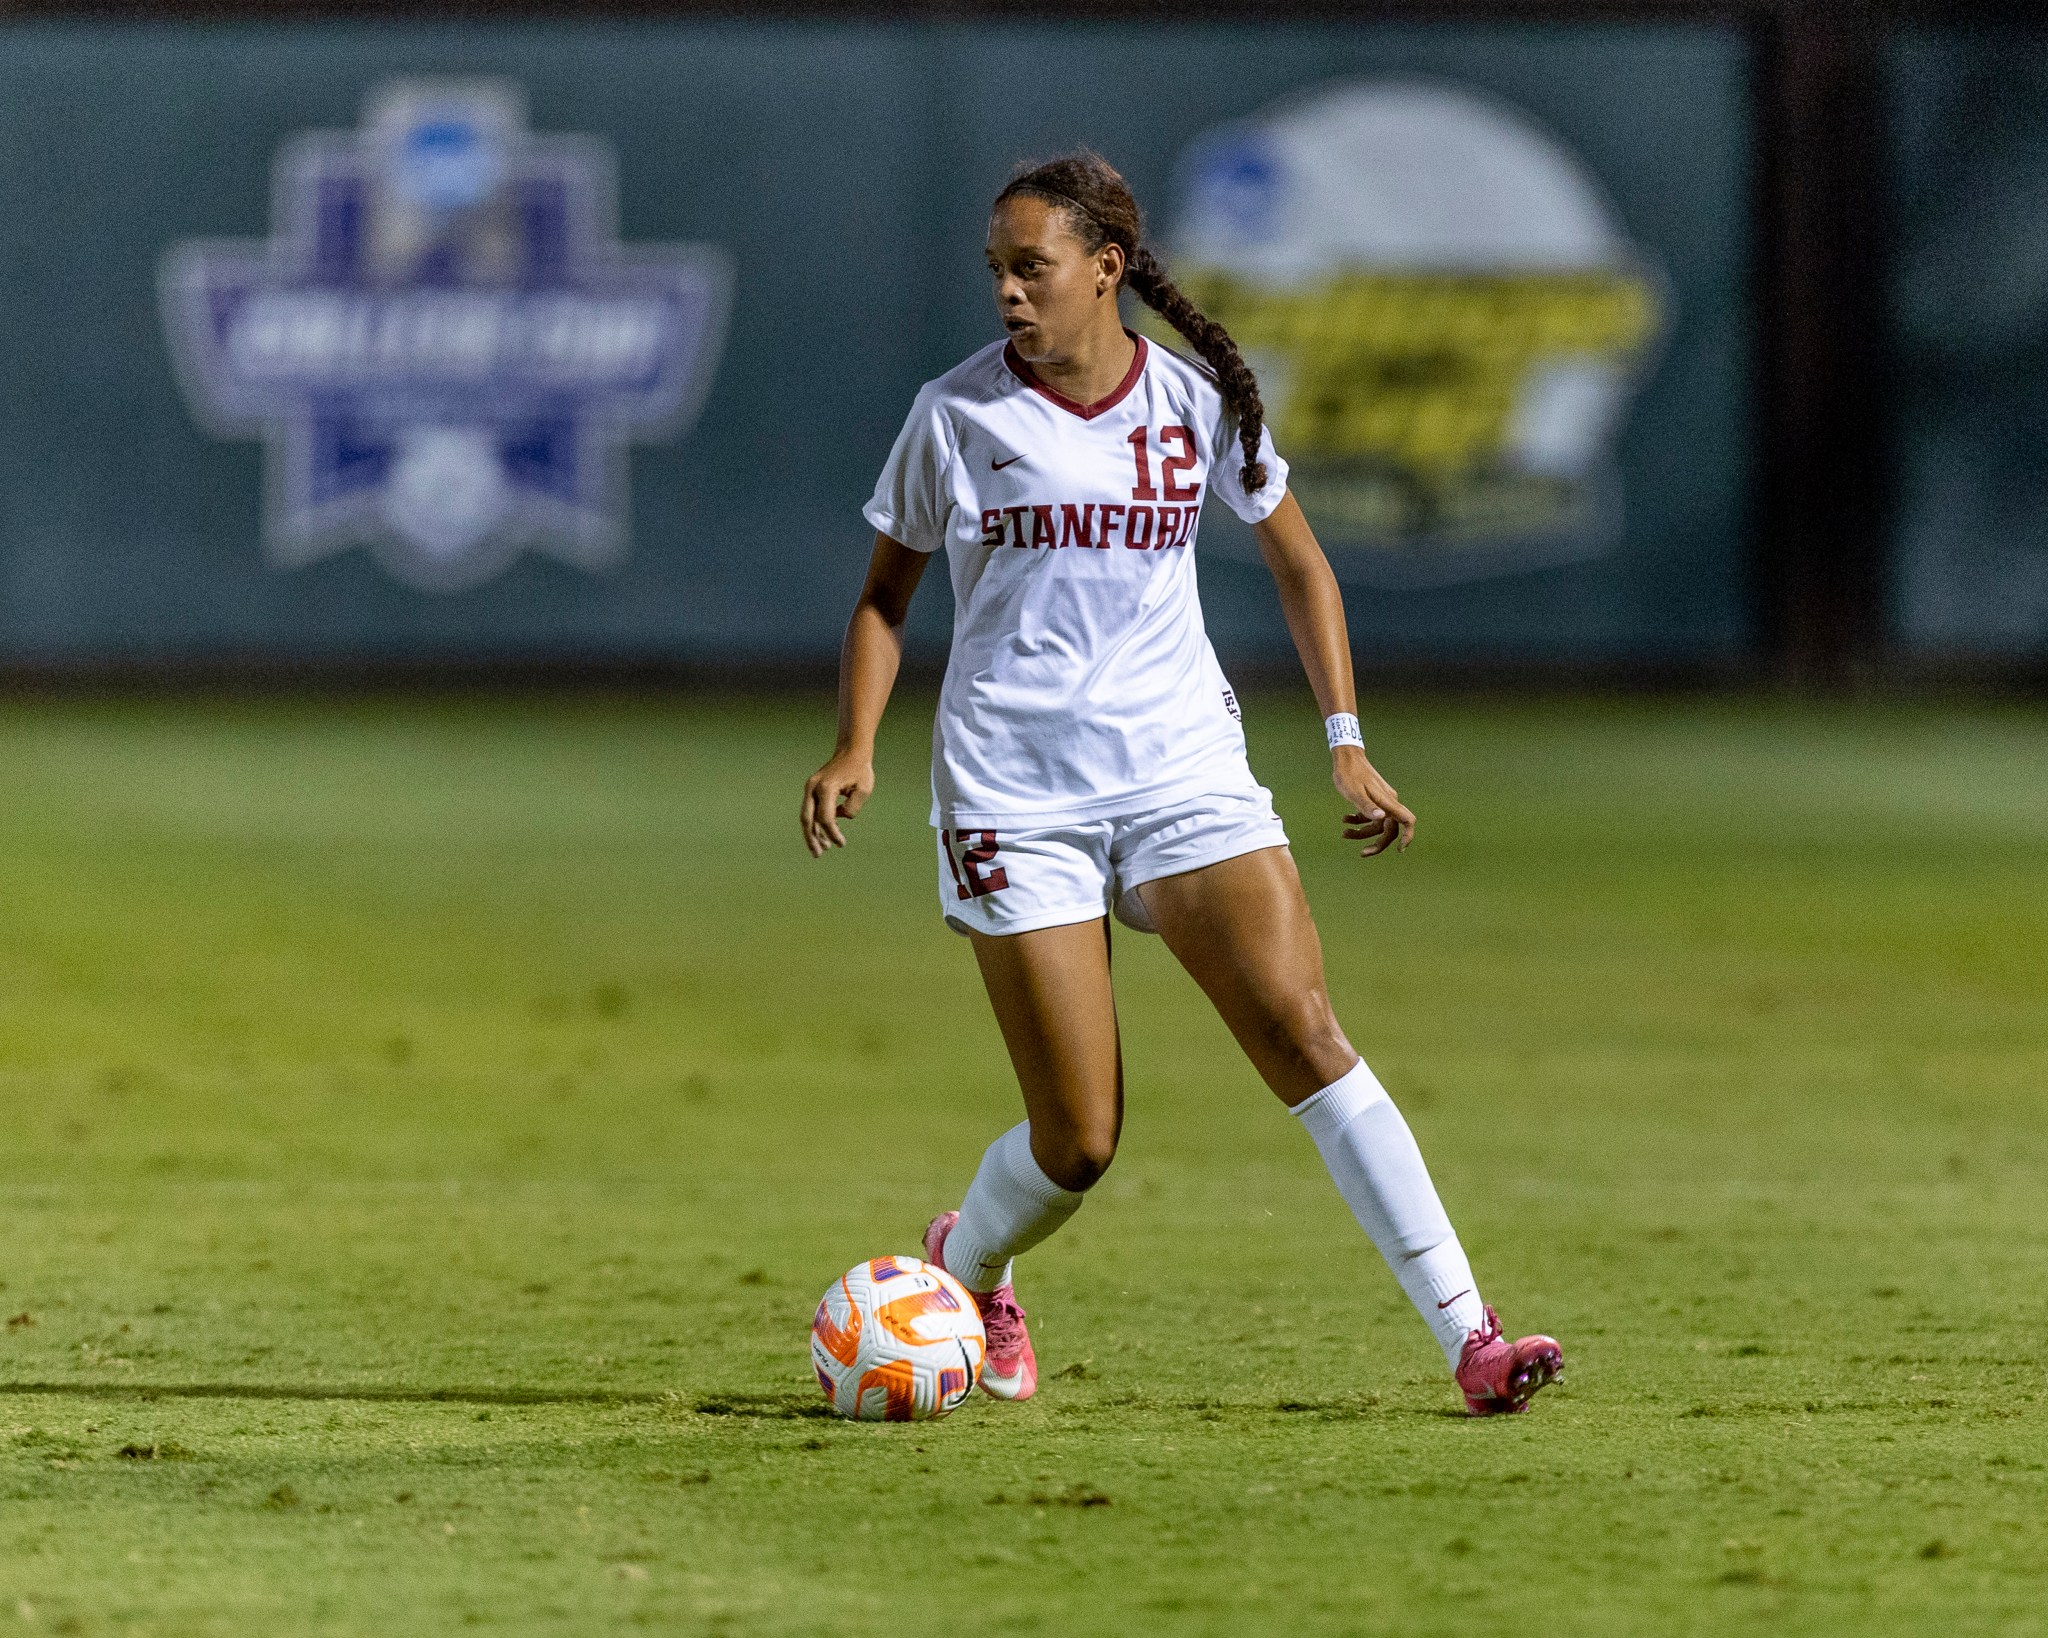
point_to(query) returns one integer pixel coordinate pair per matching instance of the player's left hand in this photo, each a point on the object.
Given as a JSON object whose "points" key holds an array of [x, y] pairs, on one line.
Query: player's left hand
{"points": [[1379, 820]]}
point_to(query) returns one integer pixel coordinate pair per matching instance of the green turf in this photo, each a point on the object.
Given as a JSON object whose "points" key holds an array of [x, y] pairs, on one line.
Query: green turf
{"points": [[428, 1128]]}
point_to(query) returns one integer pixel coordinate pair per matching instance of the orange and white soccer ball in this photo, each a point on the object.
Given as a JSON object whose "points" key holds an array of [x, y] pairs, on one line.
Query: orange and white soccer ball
{"points": [[897, 1340]]}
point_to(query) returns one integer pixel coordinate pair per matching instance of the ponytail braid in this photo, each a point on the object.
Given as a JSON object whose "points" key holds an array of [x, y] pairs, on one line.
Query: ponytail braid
{"points": [[1234, 378], [1101, 210]]}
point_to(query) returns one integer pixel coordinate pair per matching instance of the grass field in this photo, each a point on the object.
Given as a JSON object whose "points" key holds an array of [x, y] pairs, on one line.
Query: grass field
{"points": [[428, 1127]]}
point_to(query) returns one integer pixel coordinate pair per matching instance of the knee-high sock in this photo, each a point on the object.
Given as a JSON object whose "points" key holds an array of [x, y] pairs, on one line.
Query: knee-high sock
{"points": [[1011, 1205], [1379, 1171]]}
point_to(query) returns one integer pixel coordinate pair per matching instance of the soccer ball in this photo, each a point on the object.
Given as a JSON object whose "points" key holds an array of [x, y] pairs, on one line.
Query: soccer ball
{"points": [[897, 1340]]}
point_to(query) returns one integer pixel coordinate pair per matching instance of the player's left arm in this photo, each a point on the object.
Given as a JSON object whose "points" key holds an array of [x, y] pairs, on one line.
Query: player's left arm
{"points": [[1315, 618]]}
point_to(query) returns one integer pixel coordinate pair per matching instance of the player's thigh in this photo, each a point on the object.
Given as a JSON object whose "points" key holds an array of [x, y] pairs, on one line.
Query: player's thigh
{"points": [[1243, 931], [1050, 988]]}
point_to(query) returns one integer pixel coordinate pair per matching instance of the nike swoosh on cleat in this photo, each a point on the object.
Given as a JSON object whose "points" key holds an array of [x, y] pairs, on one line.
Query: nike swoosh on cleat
{"points": [[1440, 1307], [997, 466]]}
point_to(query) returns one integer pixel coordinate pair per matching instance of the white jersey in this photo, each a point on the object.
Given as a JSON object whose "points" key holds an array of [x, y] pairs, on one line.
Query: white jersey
{"points": [[1081, 681]]}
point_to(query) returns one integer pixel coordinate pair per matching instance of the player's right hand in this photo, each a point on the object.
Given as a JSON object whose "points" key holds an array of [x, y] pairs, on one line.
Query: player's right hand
{"points": [[836, 791]]}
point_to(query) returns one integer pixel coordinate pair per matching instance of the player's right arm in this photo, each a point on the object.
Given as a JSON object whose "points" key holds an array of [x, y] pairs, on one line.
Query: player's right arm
{"points": [[868, 662]]}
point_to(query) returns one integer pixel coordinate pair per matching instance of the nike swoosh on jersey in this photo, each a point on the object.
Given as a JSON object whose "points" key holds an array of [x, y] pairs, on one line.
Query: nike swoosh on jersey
{"points": [[997, 466]]}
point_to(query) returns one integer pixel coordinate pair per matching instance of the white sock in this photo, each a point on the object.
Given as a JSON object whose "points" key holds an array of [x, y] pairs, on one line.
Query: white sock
{"points": [[1011, 1205], [1378, 1170]]}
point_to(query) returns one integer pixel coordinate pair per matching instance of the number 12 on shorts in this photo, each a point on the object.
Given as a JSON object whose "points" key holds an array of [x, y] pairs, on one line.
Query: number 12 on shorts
{"points": [[975, 871]]}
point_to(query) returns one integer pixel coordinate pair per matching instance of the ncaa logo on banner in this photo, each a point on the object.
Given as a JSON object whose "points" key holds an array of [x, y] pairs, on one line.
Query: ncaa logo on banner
{"points": [[445, 347], [1446, 317]]}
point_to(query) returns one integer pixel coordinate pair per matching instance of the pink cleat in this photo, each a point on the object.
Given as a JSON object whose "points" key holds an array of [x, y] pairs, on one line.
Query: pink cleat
{"points": [[1498, 1376], [1011, 1369]]}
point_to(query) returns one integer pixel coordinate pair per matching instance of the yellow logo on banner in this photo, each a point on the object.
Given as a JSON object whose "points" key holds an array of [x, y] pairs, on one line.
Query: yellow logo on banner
{"points": [[1445, 322]]}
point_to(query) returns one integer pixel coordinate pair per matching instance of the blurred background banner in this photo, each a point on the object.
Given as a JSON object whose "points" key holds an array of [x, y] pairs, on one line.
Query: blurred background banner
{"points": [[582, 342], [1970, 307], [444, 345]]}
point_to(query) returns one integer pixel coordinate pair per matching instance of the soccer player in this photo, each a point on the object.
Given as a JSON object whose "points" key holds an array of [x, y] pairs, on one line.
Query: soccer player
{"points": [[1088, 759]]}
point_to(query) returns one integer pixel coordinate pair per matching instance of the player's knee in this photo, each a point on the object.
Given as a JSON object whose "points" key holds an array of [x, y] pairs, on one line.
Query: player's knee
{"points": [[1306, 1029], [1081, 1160]]}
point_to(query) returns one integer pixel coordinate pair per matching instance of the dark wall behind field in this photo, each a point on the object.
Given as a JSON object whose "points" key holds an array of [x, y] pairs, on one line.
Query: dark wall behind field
{"points": [[1970, 314], [846, 170]]}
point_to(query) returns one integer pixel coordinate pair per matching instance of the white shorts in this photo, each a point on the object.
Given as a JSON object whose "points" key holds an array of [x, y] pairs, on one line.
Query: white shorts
{"points": [[1012, 881]]}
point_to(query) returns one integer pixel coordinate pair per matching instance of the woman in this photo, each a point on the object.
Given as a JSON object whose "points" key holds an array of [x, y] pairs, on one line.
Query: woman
{"points": [[1088, 758]]}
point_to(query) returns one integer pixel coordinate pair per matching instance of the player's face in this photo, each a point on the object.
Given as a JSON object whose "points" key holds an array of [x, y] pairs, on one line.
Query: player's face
{"points": [[1050, 291]]}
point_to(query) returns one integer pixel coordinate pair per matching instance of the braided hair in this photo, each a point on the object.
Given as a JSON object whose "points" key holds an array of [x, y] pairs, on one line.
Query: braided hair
{"points": [[1100, 210]]}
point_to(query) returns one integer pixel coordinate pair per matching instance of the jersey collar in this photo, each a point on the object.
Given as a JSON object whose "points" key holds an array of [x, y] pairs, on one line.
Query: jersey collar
{"points": [[1024, 373]]}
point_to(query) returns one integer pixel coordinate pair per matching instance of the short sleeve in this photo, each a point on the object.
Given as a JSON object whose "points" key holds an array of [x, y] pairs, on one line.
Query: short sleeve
{"points": [[911, 501], [1227, 481]]}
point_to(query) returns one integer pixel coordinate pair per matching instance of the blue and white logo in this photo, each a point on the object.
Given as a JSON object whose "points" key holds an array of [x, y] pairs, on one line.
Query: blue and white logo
{"points": [[445, 347]]}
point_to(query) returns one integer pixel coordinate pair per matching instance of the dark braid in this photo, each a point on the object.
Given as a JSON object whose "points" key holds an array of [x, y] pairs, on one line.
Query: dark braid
{"points": [[1234, 378], [1100, 209]]}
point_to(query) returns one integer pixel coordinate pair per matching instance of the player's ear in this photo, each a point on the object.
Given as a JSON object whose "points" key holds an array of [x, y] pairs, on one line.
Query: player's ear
{"points": [[1109, 268]]}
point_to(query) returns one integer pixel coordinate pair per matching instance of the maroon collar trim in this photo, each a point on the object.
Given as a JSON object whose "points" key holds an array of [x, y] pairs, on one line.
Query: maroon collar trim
{"points": [[1024, 373]]}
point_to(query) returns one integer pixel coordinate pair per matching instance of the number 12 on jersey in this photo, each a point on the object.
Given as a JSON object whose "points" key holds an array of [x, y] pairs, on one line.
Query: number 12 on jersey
{"points": [[1171, 469]]}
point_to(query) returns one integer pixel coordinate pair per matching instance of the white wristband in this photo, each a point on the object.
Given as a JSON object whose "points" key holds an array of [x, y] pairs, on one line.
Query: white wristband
{"points": [[1342, 729]]}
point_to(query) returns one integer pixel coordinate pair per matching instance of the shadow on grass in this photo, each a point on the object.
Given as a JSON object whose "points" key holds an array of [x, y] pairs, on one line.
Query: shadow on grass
{"points": [[1347, 1408], [782, 1406], [787, 1407], [1367, 1408]]}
